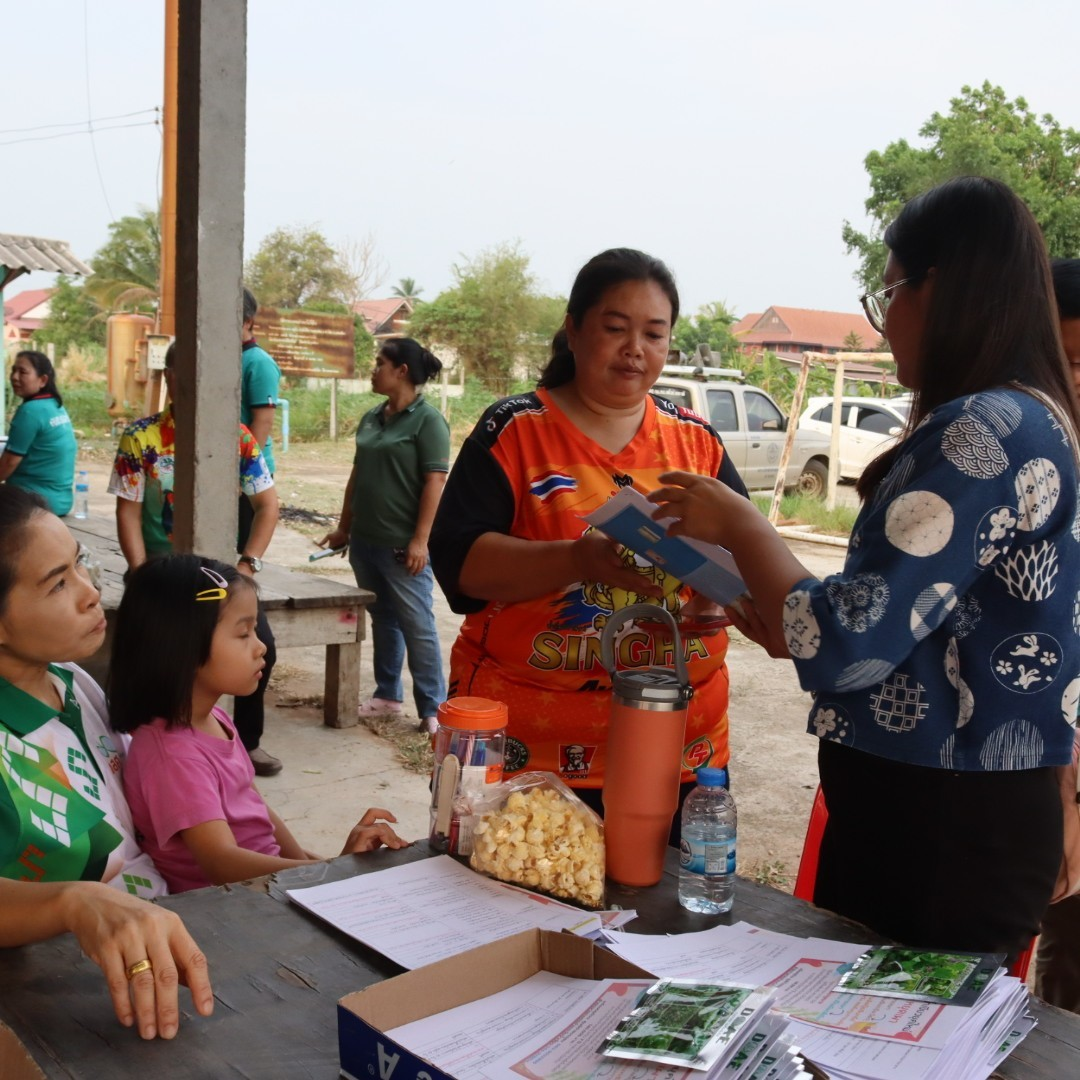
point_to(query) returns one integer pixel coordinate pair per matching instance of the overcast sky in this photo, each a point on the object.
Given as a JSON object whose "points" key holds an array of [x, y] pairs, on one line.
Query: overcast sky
{"points": [[728, 139]]}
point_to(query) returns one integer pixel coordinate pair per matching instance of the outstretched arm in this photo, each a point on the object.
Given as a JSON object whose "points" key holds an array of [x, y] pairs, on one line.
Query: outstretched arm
{"points": [[710, 511]]}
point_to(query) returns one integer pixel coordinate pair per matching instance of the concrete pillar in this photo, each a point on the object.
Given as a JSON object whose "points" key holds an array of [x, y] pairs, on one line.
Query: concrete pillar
{"points": [[212, 76]]}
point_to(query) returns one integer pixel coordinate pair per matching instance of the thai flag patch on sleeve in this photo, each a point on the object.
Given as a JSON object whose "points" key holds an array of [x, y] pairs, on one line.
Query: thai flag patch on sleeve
{"points": [[550, 484]]}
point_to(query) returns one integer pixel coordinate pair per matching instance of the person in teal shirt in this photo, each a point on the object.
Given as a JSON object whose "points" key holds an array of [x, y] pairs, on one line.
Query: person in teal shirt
{"points": [[40, 451], [259, 379]]}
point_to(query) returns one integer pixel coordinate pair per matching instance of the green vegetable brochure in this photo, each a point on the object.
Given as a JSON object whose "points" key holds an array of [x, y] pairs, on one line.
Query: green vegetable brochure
{"points": [[953, 978], [695, 1025]]}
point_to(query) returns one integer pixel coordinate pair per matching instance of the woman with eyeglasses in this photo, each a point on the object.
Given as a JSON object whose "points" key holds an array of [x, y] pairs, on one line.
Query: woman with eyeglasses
{"points": [[943, 659]]}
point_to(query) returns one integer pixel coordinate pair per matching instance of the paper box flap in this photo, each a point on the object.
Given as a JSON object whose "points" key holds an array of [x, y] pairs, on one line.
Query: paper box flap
{"points": [[480, 972]]}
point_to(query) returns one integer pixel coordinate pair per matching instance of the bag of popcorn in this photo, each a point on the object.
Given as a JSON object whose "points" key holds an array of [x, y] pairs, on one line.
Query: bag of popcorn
{"points": [[533, 831]]}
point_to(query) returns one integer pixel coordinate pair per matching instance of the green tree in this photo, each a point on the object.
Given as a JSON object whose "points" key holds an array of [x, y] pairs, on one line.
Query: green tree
{"points": [[407, 289], [710, 326], [853, 342], [983, 134], [298, 265], [74, 319], [127, 266], [492, 316]]}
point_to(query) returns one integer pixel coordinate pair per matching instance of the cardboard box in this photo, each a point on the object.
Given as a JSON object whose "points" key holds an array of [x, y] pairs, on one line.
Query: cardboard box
{"points": [[363, 1016], [15, 1060]]}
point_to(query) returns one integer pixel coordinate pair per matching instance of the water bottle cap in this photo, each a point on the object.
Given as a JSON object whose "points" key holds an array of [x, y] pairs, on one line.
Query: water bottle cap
{"points": [[709, 777], [473, 714]]}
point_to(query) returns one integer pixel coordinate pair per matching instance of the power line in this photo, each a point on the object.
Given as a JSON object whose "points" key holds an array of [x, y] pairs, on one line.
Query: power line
{"points": [[89, 109], [79, 123], [87, 131]]}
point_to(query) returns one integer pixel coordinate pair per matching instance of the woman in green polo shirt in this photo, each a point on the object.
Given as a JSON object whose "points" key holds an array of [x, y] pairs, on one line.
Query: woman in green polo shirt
{"points": [[40, 451], [402, 457]]}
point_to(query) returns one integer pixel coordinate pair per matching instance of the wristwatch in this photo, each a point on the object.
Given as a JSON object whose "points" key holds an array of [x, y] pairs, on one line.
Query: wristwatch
{"points": [[253, 561]]}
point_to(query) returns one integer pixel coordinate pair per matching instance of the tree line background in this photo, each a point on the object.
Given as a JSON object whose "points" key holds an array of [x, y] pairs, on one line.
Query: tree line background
{"points": [[494, 315]]}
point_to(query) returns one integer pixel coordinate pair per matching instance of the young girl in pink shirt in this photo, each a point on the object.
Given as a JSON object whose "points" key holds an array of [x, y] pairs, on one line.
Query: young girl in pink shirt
{"points": [[184, 637]]}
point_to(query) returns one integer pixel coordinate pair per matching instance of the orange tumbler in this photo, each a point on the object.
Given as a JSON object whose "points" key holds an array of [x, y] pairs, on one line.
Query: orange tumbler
{"points": [[646, 733]]}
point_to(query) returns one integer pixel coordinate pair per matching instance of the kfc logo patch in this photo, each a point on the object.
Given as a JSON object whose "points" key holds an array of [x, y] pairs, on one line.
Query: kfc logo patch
{"points": [[575, 761]]}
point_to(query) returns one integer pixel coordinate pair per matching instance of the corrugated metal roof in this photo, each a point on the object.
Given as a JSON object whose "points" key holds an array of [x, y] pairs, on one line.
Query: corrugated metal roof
{"points": [[36, 253]]}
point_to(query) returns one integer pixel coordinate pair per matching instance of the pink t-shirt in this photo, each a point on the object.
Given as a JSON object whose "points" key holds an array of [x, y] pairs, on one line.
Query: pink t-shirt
{"points": [[177, 778]]}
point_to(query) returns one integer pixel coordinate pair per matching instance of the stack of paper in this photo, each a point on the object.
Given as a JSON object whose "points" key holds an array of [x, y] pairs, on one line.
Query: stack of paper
{"points": [[550, 1027], [428, 910], [854, 1035]]}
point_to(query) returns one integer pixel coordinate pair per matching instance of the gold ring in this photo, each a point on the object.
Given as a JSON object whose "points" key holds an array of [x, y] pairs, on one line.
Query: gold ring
{"points": [[138, 968]]}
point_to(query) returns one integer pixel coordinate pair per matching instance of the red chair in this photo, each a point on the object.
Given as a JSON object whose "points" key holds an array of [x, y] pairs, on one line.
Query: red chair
{"points": [[808, 865]]}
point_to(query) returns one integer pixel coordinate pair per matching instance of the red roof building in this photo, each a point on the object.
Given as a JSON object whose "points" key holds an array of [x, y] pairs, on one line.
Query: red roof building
{"points": [[385, 318], [25, 313], [793, 331]]}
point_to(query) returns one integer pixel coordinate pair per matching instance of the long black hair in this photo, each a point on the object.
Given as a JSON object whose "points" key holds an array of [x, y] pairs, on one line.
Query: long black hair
{"points": [[991, 318], [43, 366], [17, 507], [162, 637], [421, 365], [600, 273]]}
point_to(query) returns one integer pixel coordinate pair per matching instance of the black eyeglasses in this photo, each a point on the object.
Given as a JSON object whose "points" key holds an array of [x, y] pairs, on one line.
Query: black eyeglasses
{"points": [[875, 304]]}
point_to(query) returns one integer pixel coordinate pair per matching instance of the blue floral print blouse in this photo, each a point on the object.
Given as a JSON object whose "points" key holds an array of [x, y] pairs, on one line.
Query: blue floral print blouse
{"points": [[952, 637]]}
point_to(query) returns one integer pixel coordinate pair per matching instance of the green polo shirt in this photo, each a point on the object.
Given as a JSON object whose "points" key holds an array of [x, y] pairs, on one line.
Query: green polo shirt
{"points": [[393, 457], [42, 435]]}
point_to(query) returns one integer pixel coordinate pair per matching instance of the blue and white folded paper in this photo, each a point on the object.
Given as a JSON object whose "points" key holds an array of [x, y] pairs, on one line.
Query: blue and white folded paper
{"points": [[707, 568]]}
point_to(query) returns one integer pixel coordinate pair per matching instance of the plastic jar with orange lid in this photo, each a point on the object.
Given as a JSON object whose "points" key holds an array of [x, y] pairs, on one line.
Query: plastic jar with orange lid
{"points": [[469, 746]]}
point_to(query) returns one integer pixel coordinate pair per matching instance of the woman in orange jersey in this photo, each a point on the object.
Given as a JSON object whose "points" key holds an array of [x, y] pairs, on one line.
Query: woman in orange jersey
{"points": [[534, 582]]}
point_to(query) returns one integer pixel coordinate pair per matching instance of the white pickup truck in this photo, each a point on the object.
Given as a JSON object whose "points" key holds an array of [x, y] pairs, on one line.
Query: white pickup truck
{"points": [[753, 429]]}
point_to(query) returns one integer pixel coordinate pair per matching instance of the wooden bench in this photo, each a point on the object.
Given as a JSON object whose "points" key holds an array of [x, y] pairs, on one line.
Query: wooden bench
{"points": [[303, 609]]}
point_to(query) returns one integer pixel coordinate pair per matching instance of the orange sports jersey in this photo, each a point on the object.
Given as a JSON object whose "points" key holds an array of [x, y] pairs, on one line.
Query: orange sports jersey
{"points": [[542, 656]]}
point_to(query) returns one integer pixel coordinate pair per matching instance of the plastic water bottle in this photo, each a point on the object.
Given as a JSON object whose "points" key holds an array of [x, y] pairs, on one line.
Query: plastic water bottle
{"points": [[707, 847], [82, 495]]}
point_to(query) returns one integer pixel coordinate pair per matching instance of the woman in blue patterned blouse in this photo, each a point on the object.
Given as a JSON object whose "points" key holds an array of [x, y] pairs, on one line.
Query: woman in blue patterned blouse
{"points": [[945, 659]]}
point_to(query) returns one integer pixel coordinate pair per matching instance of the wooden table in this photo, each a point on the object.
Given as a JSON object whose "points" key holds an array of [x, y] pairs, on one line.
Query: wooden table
{"points": [[278, 973], [303, 609]]}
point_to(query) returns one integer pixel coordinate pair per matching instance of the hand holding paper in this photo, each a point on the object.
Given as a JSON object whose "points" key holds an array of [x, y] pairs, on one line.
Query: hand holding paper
{"points": [[628, 518], [696, 506]]}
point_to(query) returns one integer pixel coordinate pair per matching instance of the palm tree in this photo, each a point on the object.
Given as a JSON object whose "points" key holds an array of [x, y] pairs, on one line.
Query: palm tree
{"points": [[407, 289], [127, 266]]}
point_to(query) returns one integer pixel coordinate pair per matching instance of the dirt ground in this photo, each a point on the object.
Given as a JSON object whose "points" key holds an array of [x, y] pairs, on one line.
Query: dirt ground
{"points": [[773, 765]]}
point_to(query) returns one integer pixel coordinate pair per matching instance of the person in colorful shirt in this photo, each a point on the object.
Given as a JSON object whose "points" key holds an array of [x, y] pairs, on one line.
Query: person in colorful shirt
{"points": [[69, 860], [40, 451], [943, 659], [142, 481], [535, 583]]}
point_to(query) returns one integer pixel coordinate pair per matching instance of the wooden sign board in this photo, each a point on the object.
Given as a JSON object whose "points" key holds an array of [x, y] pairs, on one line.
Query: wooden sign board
{"points": [[308, 343]]}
